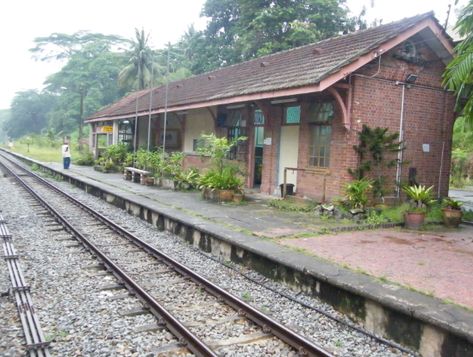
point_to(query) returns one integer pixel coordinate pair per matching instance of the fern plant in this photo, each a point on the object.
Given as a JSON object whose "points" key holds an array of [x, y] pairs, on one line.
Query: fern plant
{"points": [[356, 192]]}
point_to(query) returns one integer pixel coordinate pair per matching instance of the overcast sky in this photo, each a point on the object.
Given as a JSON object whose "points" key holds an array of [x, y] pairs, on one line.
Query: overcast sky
{"points": [[23, 20]]}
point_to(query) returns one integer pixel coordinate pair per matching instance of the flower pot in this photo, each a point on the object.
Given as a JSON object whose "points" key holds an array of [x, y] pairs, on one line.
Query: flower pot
{"points": [[149, 181], [238, 197], [167, 183], [414, 220], [452, 217], [225, 195]]}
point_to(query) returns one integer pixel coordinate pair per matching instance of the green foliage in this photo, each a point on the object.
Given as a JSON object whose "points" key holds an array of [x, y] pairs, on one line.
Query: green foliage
{"points": [[85, 159], [459, 72], [374, 217], [187, 179], [356, 192], [226, 179], [116, 153], [28, 113], [468, 215], [420, 196], [434, 214], [239, 30], [396, 213], [142, 65], [375, 152], [450, 203], [217, 148], [171, 167], [148, 160], [293, 205]]}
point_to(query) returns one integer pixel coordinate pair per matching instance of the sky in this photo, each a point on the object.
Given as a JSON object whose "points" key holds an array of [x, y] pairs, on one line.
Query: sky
{"points": [[21, 21]]}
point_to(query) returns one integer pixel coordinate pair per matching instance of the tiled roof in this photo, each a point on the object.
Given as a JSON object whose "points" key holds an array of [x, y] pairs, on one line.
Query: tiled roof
{"points": [[293, 68]]}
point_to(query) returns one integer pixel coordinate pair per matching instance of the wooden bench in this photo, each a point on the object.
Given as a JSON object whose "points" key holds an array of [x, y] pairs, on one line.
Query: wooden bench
{"points": [[130, 173]]}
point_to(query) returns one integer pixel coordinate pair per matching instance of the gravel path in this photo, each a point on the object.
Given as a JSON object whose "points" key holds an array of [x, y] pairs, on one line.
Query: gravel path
{"points": [[93, 324]]}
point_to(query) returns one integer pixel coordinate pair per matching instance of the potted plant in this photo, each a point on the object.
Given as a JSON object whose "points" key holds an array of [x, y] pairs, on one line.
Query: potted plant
{"points": [[451, 212], [420, 199]]}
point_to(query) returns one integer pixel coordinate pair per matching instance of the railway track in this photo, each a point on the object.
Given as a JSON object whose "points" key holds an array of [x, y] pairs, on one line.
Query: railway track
{"points": [[204, 317]]}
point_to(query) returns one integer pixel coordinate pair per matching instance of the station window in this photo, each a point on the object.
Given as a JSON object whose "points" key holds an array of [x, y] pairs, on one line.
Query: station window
{"points": [[292, 114], [321, 115]]}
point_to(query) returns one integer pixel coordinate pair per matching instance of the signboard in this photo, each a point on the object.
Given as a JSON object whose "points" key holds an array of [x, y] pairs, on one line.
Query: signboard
{"points": [[105, 129]]}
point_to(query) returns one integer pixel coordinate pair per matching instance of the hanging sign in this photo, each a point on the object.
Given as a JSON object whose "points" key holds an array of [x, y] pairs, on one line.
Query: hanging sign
{"points": [[105, 129]]}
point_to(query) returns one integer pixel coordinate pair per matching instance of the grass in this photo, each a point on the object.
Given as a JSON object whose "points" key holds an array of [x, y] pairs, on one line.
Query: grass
{"points": [[40, 153], [293, 204]]}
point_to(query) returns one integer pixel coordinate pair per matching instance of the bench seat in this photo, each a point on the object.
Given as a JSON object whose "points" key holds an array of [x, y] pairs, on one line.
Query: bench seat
{"points": [[131, 173]]}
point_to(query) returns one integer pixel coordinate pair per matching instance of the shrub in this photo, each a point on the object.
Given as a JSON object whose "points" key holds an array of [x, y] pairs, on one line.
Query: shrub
{"points": [[420, 196], [451, 203], [85, 159], [356, 192]]}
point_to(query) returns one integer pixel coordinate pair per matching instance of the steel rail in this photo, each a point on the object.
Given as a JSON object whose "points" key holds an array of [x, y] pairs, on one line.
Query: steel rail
{"points": [[187, 338], [36, 343], [300, 343]]}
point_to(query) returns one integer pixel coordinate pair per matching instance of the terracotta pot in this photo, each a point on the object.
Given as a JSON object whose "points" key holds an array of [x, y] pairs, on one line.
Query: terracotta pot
{"points": [[149, 181], [225, 195], [414, 220], [452, 217], [237, 197]]}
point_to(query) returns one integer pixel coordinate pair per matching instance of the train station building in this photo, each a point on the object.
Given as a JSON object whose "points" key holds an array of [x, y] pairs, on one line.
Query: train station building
{"points": [[303, 108]]}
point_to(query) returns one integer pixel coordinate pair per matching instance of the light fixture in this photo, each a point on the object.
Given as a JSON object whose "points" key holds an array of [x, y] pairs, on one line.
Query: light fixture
{"points": [[282, 101], [126, 122], [411, 78]]}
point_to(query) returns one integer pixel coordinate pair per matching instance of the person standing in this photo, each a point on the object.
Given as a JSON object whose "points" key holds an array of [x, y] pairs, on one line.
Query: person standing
{"points": [[66, 154]]}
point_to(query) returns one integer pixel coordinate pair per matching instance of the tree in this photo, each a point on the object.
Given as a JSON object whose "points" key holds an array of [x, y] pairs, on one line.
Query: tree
{"points": [[61, 46], [87, 82], [4, 117], [239, 30], [458, 75], [142, 65], [29, 111], [91, 68]]}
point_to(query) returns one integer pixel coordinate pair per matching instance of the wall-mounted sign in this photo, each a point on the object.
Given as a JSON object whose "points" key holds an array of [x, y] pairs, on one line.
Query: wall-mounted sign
{"points": [[105, 129], [267, 141], [426, 147]]}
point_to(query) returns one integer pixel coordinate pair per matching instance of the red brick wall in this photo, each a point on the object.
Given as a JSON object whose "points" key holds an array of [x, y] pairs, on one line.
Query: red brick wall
{"points": [[376, 101]]}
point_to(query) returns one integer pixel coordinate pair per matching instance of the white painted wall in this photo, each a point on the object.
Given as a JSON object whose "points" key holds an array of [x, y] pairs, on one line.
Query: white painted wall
{"points": [[198, 122], [288, 152]]}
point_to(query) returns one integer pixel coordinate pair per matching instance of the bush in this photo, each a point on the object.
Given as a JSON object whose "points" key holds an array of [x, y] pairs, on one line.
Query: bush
{"points": [[85, 159], [356, 192], [419, 196], [221, 180]]}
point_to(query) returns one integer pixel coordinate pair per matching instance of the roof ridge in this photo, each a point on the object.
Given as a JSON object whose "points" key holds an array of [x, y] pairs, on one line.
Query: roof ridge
{"points": [[355, 33]]}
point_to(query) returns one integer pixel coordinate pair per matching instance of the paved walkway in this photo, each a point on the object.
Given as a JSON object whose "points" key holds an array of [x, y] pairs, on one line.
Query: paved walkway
{"points": [[437, 263]]}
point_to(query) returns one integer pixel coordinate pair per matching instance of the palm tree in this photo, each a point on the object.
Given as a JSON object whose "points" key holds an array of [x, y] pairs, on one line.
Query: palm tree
{"points": [[458, 75], [138, 72]]}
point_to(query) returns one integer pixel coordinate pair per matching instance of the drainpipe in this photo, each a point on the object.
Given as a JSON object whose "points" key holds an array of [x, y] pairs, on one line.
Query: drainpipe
{"points": [[401, 138], [442, 133]]}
